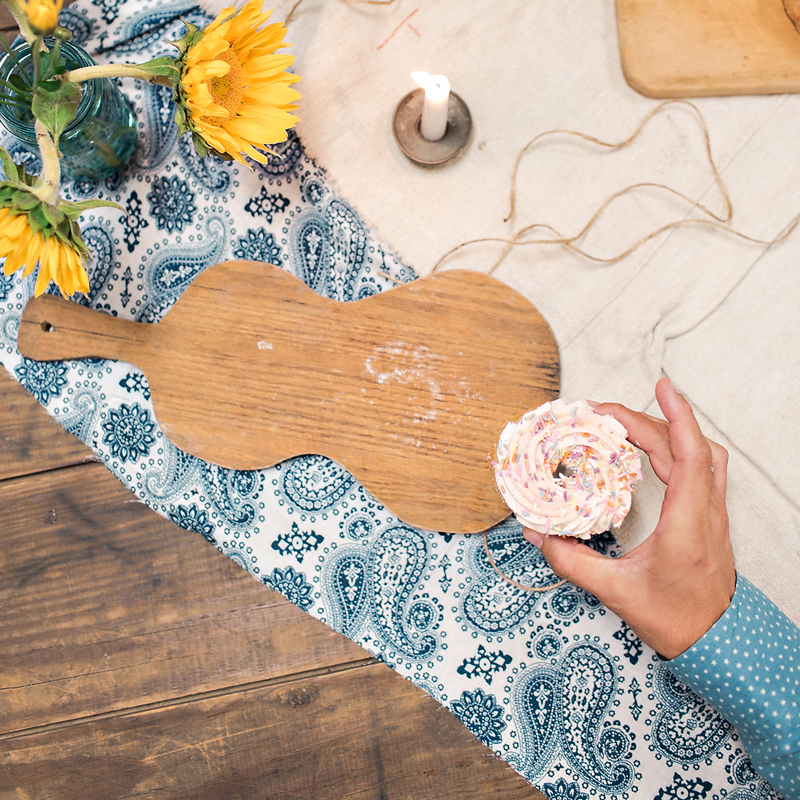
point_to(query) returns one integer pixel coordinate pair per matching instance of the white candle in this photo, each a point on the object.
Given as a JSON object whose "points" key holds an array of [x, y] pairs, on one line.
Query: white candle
{"points": [[434, 110]]}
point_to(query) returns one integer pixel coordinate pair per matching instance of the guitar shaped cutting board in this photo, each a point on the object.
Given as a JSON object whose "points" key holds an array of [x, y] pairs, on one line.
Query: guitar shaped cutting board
{"points": [[406, 389]]}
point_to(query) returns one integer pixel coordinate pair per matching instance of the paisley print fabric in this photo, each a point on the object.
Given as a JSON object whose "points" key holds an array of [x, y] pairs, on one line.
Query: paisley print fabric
{"points": [[551, 681]]}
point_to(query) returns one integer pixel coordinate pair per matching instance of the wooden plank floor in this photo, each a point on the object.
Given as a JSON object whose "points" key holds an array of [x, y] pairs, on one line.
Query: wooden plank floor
{"points": [[136, 661]]}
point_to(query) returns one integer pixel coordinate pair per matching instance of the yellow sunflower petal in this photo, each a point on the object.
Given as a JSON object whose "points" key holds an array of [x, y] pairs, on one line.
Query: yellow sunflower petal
{"points": [[14, 232], [34, 253], [43, 14], [73, 273], [211, 69], [67, 268], [45, 274], [14, 260]]}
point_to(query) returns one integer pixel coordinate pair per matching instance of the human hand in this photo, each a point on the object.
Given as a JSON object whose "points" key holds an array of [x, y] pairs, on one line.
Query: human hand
{"points": [[676, 584]]}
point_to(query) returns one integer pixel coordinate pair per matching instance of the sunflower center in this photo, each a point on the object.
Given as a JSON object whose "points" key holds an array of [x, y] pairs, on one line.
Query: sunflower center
{"points": [[228, 90]]}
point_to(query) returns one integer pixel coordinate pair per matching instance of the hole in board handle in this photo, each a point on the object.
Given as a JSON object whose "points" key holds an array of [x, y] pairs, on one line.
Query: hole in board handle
{"points": [[47, 327]]}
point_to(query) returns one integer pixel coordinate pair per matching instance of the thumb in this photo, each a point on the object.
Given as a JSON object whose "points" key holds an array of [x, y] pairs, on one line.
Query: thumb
{"points": [[569, 558]]}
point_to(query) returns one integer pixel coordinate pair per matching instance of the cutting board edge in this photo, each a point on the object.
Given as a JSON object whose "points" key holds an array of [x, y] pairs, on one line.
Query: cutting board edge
{"points": [[691, 87]]}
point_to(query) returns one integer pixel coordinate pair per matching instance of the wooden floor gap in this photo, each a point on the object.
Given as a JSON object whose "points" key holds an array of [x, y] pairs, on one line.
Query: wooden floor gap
{"points": [[54, 471], [193, 698]]}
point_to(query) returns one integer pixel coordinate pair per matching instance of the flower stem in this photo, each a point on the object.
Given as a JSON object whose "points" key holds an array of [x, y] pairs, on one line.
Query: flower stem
{"points": [[15, 90], [55, 54], [113, 71], [36, 58], [7, 101], [47, 186], [22, 73]]}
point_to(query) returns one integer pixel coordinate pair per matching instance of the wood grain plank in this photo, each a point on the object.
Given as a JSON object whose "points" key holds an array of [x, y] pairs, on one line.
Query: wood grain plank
{"points": [[30, 439], [361, 734], [7, 22], [686, 48], [105, 605]]}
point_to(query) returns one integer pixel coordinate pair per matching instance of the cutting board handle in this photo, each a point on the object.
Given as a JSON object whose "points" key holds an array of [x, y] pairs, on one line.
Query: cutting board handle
{"points": [[53, 328]]}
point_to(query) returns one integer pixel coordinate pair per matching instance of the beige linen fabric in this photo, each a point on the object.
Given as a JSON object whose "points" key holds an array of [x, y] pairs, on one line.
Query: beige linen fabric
{"points": [[715, 313]]}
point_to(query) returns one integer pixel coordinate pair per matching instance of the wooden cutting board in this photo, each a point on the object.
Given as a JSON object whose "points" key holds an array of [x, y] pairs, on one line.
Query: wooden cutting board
{"points": [[406, 389], [692, 48]]}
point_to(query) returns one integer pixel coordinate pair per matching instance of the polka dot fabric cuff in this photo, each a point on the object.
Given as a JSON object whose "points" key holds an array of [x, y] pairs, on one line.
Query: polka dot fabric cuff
{"points": [[748, 668]]}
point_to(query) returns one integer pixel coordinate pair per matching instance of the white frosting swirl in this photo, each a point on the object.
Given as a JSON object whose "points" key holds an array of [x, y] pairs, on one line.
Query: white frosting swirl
{"points": [[562, 469]]}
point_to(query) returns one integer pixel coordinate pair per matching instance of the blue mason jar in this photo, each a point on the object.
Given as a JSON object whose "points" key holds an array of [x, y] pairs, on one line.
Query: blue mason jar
{"points": [[102, 137]]}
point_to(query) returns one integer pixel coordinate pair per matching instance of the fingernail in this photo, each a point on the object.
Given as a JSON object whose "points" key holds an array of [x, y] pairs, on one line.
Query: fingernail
{"points": [[532, 537], [592, 403]]}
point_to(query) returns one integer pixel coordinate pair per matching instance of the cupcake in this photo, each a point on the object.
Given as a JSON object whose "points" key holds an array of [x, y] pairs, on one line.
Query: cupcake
{"points": [[562, 469]]}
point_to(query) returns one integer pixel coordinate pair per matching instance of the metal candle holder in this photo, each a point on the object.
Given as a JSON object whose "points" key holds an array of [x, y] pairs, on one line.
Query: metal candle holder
{"points": [[405, 125]]}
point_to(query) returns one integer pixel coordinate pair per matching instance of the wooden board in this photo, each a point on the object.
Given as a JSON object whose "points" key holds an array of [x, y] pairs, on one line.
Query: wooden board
{"points": [[407, 389], [105, 605], [30, 439], [692, 48], [363, 734]]}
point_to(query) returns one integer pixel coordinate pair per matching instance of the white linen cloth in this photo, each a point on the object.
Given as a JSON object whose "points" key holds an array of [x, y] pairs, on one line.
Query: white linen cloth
{"points": [[715, 313]]}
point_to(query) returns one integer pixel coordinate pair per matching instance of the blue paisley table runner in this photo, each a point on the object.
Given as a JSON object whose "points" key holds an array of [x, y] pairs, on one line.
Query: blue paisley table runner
{"points": [[554, 683]]}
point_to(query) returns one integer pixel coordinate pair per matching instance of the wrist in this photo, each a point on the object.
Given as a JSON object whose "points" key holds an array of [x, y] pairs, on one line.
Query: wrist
{"points": [[669, 645]]}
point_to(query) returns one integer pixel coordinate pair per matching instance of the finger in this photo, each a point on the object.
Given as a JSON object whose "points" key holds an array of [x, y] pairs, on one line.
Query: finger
{"points": [[691, 478], [569, 558], [648, 433], [686, 438]]}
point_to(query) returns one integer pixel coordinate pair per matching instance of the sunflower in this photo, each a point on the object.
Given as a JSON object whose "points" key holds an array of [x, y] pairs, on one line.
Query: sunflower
{"points": [[23, 247], [43, 14], [234, 90]]}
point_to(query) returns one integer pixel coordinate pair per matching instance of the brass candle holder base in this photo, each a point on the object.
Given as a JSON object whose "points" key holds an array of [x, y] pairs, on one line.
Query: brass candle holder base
{"points": [[406, 122]]}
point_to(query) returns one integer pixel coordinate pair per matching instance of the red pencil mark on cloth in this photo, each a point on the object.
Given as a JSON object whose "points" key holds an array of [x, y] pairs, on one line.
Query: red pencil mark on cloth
{"points": [[398, 28]]}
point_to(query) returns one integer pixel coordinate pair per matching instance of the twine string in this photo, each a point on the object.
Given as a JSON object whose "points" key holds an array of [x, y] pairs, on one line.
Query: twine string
{"points": [[619, 146], [511, 580], [571, 242], [362, 2]]}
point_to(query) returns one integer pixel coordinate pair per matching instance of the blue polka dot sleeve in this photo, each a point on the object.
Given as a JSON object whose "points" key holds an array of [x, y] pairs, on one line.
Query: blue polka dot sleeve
{"points": [[748, 668]]}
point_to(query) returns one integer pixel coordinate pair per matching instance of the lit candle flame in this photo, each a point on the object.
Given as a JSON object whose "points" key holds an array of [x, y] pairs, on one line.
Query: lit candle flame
{"points": [[435, 86]]}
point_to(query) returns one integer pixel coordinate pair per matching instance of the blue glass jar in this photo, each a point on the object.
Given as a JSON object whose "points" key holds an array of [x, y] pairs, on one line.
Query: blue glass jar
{"points": [[102, 137]]}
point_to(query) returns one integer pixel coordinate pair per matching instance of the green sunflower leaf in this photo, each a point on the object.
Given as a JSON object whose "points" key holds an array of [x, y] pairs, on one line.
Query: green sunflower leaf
{"points": [[24, 201], [55, 109], [73, 209], [9, 167], [54, 215], [37, 220], [180, 120], [76, 239], [187, 40], [164, 67], [27, 180], [200, 145], [20, 83]]}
